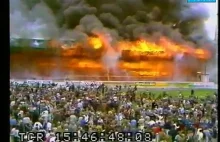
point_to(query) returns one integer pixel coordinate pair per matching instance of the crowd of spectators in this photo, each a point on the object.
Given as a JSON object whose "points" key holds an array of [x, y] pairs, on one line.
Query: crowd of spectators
{"points": [[91, 106]]}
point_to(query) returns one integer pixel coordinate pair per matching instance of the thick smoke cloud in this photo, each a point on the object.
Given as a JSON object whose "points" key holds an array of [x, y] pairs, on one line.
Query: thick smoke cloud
{"points": [[121, 19], [131, 19], [31, 23]]}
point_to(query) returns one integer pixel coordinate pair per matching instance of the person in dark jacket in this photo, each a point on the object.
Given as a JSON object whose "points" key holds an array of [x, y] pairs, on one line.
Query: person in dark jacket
{"points": [[173, 132]]}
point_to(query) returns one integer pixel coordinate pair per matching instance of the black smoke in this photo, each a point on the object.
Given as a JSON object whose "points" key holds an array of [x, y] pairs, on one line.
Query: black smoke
{"points": [[123, 19]]}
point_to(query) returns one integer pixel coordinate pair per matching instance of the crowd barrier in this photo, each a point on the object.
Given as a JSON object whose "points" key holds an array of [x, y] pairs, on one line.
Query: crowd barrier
{"points": [[140, 84]]}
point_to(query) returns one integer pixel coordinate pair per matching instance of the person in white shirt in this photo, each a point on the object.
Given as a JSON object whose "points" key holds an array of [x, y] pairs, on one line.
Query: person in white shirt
{"points": [[151, 122], [47, 135], [115, 98], [141, 123], [14, 132], [37, 125], [86, 118], [52, 139], [100, 120], [80, 104], [26, 120], [49, 126], [199, 135]]}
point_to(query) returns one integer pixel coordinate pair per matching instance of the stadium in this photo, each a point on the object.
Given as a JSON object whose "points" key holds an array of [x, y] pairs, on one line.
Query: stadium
{"points": [[112, 70]]}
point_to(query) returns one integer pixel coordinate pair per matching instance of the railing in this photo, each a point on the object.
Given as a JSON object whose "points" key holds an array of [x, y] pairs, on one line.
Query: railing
{"points": [[102, 78]]}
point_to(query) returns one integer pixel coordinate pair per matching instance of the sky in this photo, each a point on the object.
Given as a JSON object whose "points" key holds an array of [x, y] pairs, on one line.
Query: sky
{"points": [[211, 23]]}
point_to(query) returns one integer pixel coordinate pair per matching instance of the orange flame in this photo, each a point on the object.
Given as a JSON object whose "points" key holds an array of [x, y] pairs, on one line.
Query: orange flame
{"points": [[164, 49], [145, 56], [95, 42]]}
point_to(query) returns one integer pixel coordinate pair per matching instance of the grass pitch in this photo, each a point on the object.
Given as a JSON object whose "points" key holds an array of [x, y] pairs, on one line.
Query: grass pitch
{"points": [[200, 93]]}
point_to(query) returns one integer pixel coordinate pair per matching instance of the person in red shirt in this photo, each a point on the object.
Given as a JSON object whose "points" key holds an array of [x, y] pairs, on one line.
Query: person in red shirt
{"points": [[156, 130], [196, 125]]}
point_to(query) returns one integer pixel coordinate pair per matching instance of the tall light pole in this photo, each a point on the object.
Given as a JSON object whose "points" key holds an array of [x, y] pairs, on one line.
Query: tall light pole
{"points": [[108, 74]]}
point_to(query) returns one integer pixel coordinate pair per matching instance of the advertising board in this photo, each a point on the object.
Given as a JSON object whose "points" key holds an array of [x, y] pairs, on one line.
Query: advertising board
{"points": [[145, 84], [162, 84], [203, 85], [180, 85]]}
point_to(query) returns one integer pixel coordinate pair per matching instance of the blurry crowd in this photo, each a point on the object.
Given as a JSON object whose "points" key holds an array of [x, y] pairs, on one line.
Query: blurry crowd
{"points": [[91, 106]]}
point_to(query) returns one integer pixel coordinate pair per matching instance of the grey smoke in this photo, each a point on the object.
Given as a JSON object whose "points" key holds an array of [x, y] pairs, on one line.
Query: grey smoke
{"points": [[35, 23], [194, 11]]}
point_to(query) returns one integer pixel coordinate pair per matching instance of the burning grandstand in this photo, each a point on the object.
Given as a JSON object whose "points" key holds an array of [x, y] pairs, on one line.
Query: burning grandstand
{"points": [[101, 58], [113, 40]]}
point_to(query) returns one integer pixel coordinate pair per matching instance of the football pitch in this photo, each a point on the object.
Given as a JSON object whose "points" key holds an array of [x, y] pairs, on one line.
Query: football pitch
{"points": [[200, 93]]}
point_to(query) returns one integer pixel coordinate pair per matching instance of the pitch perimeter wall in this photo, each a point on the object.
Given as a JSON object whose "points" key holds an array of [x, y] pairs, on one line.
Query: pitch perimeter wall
{"points": [[139, 84]]}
